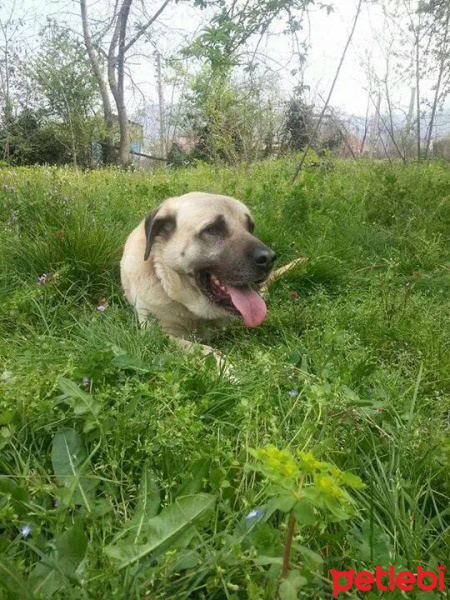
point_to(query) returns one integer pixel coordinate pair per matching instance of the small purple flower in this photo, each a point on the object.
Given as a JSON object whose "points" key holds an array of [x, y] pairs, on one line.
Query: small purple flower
{"points": [[254, 514], [101, 307], [86, 381], [25, 531], [292, 392], [42, 279]]}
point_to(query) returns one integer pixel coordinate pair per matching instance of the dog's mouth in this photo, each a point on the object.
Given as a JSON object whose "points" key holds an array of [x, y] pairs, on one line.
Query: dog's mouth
{"points": [[241, 300]]}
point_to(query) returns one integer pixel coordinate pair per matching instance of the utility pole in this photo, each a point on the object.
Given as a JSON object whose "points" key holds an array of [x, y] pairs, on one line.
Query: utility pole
{"points": [[407, 136], [162, 133], [409, 119]]}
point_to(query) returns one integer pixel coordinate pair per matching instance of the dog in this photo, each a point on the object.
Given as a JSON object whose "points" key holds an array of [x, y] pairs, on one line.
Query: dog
{"points": [[191, 264]]}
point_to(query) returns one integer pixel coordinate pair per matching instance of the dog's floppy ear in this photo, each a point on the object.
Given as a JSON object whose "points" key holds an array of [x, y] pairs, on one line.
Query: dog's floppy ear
{"points": [[157, 225]]}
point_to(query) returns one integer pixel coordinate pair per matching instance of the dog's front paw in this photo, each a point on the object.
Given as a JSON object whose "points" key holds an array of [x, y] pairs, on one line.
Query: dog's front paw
{"points": [[224, 366], [230, 373]]}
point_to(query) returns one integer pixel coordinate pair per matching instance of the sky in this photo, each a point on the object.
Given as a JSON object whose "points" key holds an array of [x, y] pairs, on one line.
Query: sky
{"points": [[326, 36]]}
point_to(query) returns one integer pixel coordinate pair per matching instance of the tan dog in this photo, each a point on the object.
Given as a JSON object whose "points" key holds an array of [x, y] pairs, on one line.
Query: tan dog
{"points": [[191, 263]]}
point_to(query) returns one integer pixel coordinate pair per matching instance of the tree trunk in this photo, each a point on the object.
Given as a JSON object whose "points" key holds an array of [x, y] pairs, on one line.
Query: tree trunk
{"points": [[117, 86], [109, 155], [7, 109], [366, 127], [116, 62], [162, 134], [438, 87], [419, 152], [124, 149]]}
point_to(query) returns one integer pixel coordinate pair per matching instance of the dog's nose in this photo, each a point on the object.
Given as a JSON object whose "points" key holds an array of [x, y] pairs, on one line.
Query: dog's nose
{"points": [[264, 257]]}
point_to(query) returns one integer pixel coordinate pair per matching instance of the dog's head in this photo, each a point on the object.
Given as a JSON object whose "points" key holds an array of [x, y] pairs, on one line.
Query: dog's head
{"points": [[208, 240]]}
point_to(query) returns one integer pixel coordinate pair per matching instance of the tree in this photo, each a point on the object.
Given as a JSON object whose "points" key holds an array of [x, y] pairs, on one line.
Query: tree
{"points": [[420, 29], [222, 43], [118, 41], [10, 26], [440, 11], [62, 77], [225, 114], [229, 118]]}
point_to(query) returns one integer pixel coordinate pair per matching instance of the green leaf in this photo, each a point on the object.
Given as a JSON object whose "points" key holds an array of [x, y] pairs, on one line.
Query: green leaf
{"points": [[12, 581], [187, 560], [47, 577], [58, 570], [268, 560], [297, 355], [311, 557], [147, 504], [164, 530], [45, 581], [18, 497], [81, 401], [351, 480], [68, 456], [198, 472], [71, 547], [370, 543], [68, 453], [284, 503], [101, 507], [127, 363], [7, 417], [304, 513], [291, 585], [338, 511]]}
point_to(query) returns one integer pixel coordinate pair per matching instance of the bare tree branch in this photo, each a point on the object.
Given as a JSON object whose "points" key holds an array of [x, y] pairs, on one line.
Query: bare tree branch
{"points": [[319, 121], [144, 28], [391, 134]]}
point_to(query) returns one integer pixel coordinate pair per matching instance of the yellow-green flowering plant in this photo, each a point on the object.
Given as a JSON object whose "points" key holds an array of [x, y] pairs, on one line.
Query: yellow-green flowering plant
{"points": [[306, 488]]}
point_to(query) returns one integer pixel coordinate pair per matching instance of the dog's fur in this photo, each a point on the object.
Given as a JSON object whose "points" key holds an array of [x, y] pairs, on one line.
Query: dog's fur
{"points": [[165, 256]]}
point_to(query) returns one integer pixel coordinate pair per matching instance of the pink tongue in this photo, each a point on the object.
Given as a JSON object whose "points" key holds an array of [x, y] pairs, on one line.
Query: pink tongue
{"points": [[251, 306]]}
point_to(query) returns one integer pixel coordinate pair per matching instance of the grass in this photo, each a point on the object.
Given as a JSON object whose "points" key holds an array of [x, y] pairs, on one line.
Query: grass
{"points": [[351, 363]]}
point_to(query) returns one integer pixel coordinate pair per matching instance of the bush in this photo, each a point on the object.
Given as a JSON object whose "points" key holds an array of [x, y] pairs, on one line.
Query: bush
{"points": [[33, 141]]}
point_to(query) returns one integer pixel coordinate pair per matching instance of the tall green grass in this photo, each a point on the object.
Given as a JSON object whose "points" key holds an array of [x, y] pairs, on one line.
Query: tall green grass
{"points": [[352, 362]]}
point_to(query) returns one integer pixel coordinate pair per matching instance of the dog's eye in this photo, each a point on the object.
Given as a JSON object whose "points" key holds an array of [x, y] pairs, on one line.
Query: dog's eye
{"points": [[216, 228], [250, 224], [213, 229]]}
